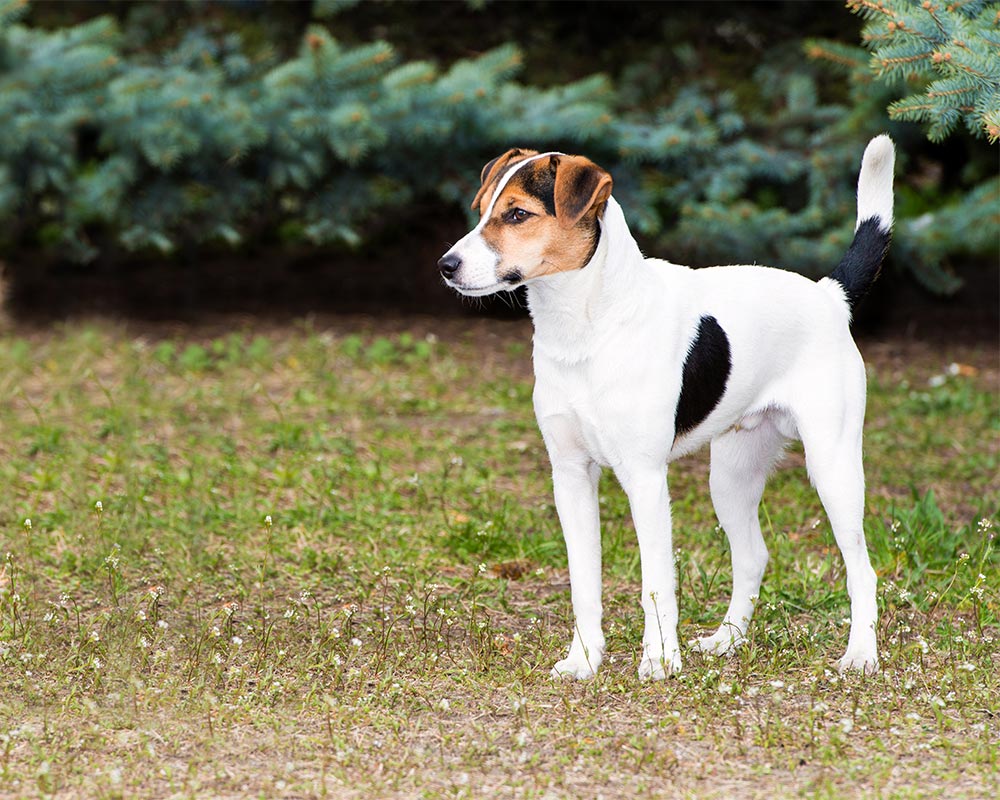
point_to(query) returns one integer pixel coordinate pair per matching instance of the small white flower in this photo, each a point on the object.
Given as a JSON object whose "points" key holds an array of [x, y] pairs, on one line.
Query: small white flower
{"points": [[236, 640], [356, 642], [99, 507], [846, 725], [27, 524], [443, 704]]}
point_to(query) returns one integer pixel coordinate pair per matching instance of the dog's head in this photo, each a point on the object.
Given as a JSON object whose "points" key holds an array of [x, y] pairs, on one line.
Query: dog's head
{"points": [[538, 216]]}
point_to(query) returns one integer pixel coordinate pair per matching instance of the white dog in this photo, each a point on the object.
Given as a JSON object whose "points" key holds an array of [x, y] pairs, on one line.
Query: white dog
{"points": [[639, 361]]}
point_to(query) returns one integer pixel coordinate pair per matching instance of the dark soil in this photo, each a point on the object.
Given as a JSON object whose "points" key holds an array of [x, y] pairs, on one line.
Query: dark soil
{"points": [[279, 285]]}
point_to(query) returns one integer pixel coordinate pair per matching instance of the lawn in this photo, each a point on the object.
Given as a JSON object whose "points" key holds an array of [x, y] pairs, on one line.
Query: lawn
{"points": [[322, 560]]}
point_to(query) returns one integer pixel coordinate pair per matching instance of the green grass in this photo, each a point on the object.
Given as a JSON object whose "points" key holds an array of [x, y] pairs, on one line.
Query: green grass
{"points": [[298, 562]]}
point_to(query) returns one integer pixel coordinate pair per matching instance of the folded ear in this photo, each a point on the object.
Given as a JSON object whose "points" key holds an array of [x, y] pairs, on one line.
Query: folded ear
{"points": [[580, 185], [491, 170]]}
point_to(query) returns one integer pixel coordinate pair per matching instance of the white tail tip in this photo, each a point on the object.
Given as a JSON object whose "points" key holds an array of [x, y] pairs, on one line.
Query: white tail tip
{"points": [[875, 182]]}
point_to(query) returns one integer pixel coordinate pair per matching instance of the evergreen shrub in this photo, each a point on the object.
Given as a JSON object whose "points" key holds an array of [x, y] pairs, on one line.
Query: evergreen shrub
{"points": [[108, 146], [949, 51]]}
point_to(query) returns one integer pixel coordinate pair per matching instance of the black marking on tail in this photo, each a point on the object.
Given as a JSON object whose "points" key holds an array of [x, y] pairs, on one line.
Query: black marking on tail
{"points": [[862, 262], [705, 375]]}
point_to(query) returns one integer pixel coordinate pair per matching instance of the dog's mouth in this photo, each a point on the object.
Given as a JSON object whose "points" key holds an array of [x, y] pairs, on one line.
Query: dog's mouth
{"points": [[480, 291], [508, 283]]}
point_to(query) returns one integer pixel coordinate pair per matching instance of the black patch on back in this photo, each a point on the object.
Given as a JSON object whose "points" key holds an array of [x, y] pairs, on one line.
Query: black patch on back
{"points": [[862, 262], [706, 372], [540, 183]]}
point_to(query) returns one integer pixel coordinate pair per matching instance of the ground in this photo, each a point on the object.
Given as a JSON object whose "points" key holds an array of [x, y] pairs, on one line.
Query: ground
{"points": [[320, 559]]}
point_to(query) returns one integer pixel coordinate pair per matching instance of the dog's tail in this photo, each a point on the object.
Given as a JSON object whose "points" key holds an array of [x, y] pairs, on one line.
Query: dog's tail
{"points": [[862, 262]]}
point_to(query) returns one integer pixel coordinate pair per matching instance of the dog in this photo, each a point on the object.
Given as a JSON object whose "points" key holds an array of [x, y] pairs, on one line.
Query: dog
{"points": [[639, 361]]}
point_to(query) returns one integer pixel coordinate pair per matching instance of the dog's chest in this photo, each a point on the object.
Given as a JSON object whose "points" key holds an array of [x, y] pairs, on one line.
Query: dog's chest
{"points": [[604, 412]]}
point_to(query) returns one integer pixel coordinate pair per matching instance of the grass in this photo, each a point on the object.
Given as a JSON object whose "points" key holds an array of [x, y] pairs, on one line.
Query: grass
{"points": [[324, 562]]}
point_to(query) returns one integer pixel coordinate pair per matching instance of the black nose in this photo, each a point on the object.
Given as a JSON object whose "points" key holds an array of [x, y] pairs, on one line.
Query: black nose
{"points": [[449, 264]]}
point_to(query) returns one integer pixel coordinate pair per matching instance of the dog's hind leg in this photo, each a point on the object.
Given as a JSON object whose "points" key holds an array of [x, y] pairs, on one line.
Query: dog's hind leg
{"points": [[836, 470], [831, 433], [741, 462]]}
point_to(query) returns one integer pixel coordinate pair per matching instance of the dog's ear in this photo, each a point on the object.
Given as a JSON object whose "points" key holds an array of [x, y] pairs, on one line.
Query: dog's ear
{"points": [[491, 170], [580, 185]]}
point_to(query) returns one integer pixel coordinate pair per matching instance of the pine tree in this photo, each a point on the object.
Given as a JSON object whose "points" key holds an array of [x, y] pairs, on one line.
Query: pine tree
{"points": [[108, 147], [952, 47], [952, 51]]}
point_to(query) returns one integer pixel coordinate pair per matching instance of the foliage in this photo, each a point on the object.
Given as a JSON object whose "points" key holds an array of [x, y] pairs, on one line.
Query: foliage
{"points": [[218, 140], [952, 48]]}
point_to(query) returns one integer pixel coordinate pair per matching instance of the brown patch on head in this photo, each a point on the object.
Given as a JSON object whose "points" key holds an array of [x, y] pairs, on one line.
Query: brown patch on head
{"points": [[581, 186], [493, 171], [546, 220]]}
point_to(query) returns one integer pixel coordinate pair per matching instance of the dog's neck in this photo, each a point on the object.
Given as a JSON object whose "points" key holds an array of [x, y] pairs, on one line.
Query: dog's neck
{"points": [[573, 310]]}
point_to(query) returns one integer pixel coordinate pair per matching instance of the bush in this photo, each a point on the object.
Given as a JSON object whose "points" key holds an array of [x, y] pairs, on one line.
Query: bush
{"points": [[110, 146], [951, 52]]}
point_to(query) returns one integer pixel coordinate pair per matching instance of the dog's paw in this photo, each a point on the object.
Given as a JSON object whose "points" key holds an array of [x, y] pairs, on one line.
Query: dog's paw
{"points": [[720, 643], [574, 668], [658, 668], [859, 660]]}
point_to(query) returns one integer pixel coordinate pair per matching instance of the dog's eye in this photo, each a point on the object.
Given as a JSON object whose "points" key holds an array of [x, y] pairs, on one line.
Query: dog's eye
{"points": [[516, 215]]}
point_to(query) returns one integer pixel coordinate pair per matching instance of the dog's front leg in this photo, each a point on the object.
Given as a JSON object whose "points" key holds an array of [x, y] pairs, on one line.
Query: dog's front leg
{"points": [[646, 487], [575, 484]]}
